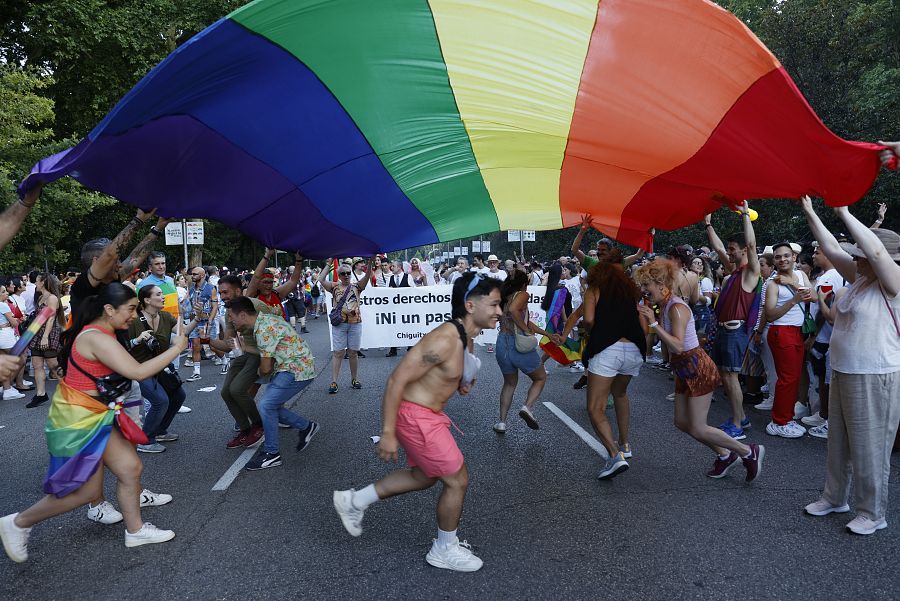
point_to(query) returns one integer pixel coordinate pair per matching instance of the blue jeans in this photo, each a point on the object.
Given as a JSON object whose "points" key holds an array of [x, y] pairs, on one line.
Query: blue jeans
{"points": [[162, 408], [279, 391]]}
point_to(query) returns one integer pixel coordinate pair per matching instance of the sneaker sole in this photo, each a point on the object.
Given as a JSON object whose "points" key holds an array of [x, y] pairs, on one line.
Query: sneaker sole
{"points": [[139, 450], [529, 420], [131, 544], [263, 467], [344, 520], [614, 473], [822, 436], [437, 563], [880, 526], [818, 514], [783, 435]]}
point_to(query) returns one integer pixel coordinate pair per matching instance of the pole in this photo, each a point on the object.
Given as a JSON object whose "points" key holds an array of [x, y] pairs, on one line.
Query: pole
{"points": [[522, 245], [184, 241]]}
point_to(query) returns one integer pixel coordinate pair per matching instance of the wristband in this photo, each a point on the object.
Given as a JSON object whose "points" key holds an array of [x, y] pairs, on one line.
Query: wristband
{"points": [[654, 324], [155, 231], [265, 258], [136, 218], [708, 225], [25, 204]]}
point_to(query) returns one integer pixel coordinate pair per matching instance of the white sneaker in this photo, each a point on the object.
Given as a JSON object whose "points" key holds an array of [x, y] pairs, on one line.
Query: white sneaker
{"points": [[819, 431], [218, 361], [789, 430], [500, 427], [148, 534], [800, 410], [351, 517], [11, 394], [15, 539], [669, 397], [104, 513], [765, 388], [457, 556], [27, 382], [863, 525], [188, 363], [765, 405], [184, 409], [823, 507], [813, 420], [154, 499]]}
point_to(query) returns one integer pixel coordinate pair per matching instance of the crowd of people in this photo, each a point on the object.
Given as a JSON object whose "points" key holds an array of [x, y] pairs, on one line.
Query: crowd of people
{"points": [[781, 328]]}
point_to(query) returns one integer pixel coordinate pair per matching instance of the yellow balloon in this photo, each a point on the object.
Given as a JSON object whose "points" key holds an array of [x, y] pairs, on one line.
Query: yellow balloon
{"points": [[753, 214]]}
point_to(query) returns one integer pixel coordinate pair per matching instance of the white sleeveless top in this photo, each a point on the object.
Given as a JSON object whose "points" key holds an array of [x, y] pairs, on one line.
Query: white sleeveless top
{"points": [[690, 335], [864, 340], [794, 316]]}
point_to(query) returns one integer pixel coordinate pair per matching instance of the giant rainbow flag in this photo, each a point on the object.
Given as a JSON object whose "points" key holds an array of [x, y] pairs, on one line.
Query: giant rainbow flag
{"points": [[354, 126]]}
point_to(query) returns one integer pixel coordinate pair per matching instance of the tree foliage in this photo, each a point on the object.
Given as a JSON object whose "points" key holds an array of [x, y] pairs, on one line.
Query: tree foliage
{"points": [[63, 66]]}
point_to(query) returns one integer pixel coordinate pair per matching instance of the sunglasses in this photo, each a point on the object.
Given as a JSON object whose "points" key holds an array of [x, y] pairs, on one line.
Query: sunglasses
{"points": [[344, 274]]}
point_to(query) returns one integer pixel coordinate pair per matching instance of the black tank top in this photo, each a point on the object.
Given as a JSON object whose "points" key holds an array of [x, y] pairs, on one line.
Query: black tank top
{"points": [[614, 319]]}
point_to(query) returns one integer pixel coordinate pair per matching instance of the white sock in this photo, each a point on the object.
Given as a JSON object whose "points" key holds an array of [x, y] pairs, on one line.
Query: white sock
{"points": [[365, 497], [303, 322], [196, 369], [445, 539], [725, 456]]}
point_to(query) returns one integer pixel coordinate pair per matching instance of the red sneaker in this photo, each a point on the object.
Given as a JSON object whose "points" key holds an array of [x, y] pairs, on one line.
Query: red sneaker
{"points": [[721, 466], [255, 436], [754, 462], [237, 441]]}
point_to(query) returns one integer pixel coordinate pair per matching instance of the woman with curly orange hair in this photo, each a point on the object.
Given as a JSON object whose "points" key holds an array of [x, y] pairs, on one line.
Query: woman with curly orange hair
{"points": [[696, 376]]}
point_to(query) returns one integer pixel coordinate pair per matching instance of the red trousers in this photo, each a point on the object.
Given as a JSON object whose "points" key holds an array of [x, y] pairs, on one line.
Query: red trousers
{"points": [[786, 344]]}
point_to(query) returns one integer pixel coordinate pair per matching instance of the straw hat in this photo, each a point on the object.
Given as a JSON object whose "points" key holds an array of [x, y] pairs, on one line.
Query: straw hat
{"points": [[890, 240]]}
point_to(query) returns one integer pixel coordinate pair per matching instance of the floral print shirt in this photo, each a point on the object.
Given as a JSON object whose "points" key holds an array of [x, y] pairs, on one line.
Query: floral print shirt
{"points": [[277, 339]]}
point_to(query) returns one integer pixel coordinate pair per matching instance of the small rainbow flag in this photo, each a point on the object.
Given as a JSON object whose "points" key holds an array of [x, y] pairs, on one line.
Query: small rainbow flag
{"points": [[570, 351], [78, 428]]}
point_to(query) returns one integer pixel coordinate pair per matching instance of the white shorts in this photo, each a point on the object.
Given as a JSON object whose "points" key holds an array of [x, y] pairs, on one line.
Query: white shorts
{"points": [[619, 359]]}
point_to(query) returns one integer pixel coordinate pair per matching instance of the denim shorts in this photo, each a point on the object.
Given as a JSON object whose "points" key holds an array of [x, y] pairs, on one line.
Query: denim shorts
{"points": [[510, 360], [729, 348], [201, 325], [346, 336], [618, 359]]}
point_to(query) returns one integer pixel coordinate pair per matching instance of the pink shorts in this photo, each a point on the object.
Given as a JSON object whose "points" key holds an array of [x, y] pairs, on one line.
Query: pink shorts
{"points": [[426, 438]]}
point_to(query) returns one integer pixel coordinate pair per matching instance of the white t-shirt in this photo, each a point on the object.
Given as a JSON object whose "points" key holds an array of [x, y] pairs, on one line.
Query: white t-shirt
{"points": [[865, 340], [7, 334], [573, 285], [29, 298], [497, 275], [537, 277]]}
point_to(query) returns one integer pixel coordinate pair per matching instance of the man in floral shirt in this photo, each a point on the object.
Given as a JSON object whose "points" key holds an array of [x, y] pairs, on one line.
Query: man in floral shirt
{"points": [[287, 358]]}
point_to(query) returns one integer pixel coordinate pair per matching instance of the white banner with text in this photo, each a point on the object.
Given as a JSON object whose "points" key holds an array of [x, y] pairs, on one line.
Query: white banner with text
{"points": [[398, 317]]}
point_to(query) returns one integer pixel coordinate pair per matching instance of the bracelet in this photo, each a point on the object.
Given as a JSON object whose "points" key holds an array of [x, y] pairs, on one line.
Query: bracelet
{"points": [[26, 205], [155, 231], [135, 218], [654, 324], [745, 214], [708, 225], [265, 258]]}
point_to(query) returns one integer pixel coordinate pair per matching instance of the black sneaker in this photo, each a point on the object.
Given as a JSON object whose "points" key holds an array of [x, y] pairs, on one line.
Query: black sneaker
{"points": [[355, 385], [581, 383], [37, 400], [306, 435], [360, 354], [262, 460]]}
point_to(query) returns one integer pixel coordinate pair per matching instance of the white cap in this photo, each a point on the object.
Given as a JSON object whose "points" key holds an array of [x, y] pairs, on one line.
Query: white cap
{"points": [[767, 250], [796, 248]]}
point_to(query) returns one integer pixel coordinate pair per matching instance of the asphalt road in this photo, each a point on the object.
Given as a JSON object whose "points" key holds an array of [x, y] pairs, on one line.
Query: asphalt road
{"points": [[545, 527]]}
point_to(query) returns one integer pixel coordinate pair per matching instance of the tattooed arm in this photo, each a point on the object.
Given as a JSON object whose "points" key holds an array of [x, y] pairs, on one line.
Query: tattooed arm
{"points": [[106, 263], [140, 252], [12, 218]]}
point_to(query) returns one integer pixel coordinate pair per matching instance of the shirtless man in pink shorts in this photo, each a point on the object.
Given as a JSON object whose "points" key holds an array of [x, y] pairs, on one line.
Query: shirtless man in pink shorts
{"points": [[412, 417]]}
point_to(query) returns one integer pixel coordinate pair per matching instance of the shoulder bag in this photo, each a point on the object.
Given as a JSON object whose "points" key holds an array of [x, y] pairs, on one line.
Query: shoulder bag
{"points": [[335, 315]]}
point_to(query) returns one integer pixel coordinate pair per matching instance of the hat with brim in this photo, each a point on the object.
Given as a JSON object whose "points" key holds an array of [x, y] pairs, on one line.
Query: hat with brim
{"points": [[492, 258], [890, 240]]}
